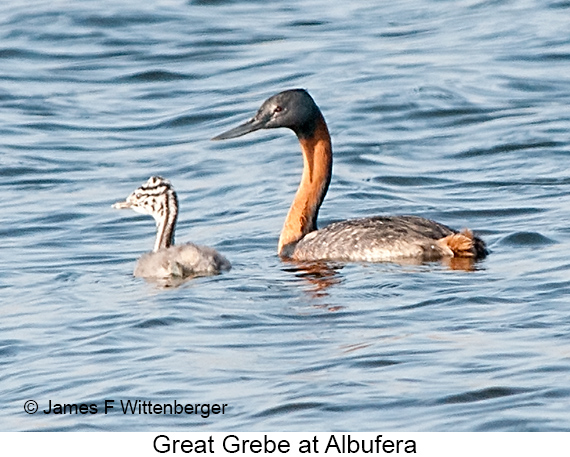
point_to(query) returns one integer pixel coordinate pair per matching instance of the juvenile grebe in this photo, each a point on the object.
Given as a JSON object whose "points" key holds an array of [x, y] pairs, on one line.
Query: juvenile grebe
{"points": [[371, 239], [157, 198]]}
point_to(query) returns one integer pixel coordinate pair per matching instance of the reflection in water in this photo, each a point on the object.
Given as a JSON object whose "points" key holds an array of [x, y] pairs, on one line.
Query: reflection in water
{"points": [[453, 263], [320, 275], [462, 263], [171, 281]]}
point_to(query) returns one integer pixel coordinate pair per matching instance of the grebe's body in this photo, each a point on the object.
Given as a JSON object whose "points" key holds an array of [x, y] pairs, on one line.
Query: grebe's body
{"points": [[373, 239], [157, 198], [384, 239]]}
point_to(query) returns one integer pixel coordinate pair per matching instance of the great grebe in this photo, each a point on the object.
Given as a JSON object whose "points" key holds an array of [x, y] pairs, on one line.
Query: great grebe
{"points": [[157, 198], [371, 239]]}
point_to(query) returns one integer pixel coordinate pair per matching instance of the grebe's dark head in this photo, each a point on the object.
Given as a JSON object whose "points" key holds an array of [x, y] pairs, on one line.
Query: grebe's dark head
{"points": [[156, 197], [294, 109]]}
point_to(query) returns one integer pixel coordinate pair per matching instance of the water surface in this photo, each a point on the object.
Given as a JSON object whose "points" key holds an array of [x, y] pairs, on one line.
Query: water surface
{"points": [[456, 111]]}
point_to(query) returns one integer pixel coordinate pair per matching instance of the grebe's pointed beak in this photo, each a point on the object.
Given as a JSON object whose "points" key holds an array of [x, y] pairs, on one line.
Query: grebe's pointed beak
{"points": [[122, 205], [247, 127]]}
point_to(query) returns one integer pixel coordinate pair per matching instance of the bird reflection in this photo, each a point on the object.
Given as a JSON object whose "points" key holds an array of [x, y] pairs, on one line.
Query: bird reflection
{"points": [[319, 276], [461, 263]]}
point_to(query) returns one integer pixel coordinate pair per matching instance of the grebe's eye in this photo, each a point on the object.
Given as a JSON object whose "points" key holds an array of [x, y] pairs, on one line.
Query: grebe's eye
{"points": [[278, 109]]}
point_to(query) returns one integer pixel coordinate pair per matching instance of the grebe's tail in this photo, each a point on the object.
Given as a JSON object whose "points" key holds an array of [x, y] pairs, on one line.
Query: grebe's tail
{"points": [[462, 244]]}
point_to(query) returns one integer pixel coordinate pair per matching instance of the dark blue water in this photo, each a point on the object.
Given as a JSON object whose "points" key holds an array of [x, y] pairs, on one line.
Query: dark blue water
{"points": [[453, 110]]}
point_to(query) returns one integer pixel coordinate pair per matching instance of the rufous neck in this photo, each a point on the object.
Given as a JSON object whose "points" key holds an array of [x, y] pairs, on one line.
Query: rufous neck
{"points": [[317, 169]]}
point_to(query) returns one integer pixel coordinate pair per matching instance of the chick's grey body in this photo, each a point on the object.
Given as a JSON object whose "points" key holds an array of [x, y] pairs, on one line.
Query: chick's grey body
{"points": [[181, 261], [158, 199]]}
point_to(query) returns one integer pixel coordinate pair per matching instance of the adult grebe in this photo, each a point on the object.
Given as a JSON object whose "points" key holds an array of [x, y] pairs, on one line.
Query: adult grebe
{"points": [[157, 198], [371, 239]]}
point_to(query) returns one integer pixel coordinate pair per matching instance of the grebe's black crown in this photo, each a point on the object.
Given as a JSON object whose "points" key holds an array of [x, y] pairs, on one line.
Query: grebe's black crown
{"points": [[293, 109]]}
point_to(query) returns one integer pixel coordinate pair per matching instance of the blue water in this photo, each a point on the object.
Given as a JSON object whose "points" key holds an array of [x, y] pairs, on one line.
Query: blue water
{"points": [[453, 110]]}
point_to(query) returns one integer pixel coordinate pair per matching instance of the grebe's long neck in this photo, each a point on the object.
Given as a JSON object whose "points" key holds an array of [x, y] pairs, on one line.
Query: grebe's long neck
{"points": [[317, 168], [166, 222]]}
